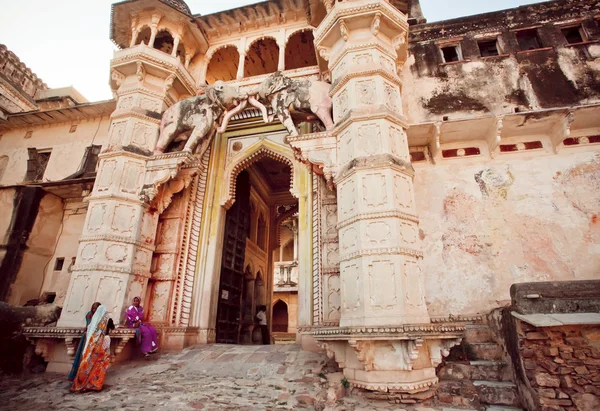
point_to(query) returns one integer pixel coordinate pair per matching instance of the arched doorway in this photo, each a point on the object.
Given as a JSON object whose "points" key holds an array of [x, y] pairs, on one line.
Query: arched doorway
{"points": [[262, 58], [280, 317], [250, 240]]}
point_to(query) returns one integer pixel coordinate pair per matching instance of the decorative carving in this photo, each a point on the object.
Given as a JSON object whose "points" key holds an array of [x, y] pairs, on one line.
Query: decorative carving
{"points": [[365, 352], [392, 98], [116, 253], [374, 190], [376, 24], [106, 175], [123, 219], [369, 139], [347, 198], [140, 72], [343, 30], [143, 135], [77, 292], [117, 133], [169, 83], [403, 188], [324, 53], [70, 346], [118, 77], [363, 58], [283, 92], [96, 217], [196, 118], [110, 292], [438, 349], [131, 179], [88, 252], [382, 282], [351, 287], [126, 103], [367, 92], [379, 233], [332, 292], [341, 105]]}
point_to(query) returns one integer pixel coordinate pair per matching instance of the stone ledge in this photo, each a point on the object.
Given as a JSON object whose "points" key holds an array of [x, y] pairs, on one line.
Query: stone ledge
{"points": [[557, 320]]}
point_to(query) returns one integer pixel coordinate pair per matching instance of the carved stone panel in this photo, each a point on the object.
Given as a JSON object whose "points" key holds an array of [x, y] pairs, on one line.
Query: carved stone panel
{"points": [[123, 219], [96, 217], [374, 190], [379, 234], [382, 285], [168, 234], [165, 269], [329, 213], [133, 174], [142, 260], [116, 253], [398, 143], [340, 106], [392, 98], [403, 191], [346, 147], [118, 133], [351, 287], [331, 255], [159, 303], [347, 200], [413, 278], [79, 289], [366, 91], [88, 252], [363, 58], [105, 176], [143, 135], [408, 233], [348, 239], [369, 139], [332, 297], [110, 293]]}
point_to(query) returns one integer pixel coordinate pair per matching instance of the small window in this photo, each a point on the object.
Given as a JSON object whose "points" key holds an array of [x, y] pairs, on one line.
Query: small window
{"points": [[488, 48], [36, 164], [451, 54], [528, 40], [59, 263], [73, 128], [574, 35]]}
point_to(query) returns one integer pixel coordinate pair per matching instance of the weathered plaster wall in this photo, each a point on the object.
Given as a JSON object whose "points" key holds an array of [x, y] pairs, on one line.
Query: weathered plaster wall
{"points": [[67, 148], [40, 247], [556, 75], [66, 247], [517, 218]]}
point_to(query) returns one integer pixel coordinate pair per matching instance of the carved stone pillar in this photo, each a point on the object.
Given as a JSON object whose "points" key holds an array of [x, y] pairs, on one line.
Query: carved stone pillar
{"points": [[118, 239], [382, 288], [175, 45], [281, 61], [240, 72]]}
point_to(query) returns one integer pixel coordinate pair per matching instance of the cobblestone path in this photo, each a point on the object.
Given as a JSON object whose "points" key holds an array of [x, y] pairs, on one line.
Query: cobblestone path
{"points": [[206, 377]]}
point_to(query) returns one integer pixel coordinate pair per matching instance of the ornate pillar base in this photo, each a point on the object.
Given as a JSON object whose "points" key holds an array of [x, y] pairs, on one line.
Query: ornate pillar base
{"points": [[391, 363]]}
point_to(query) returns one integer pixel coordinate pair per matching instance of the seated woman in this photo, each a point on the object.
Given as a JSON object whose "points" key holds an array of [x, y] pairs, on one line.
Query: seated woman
{"points": [[96, 354], [147, 333], [77, 360]]}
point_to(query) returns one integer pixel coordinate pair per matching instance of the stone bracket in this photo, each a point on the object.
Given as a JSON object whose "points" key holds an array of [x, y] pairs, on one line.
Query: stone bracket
{"points": [[319, 151]]}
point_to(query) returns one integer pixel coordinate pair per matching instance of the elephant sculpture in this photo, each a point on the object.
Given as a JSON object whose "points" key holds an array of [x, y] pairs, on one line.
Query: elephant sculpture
{"points": [[196, 118], [283, 93]]}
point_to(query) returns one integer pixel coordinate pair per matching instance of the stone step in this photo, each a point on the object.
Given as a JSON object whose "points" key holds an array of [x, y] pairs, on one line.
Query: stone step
{"points": [[502, 408], [475, 370], [490, 371], [497, 393], [484, 352], [478, 334]]}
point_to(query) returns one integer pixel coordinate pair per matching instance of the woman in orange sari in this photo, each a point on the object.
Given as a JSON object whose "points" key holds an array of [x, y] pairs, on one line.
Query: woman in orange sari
{"points": [[96, 354]]}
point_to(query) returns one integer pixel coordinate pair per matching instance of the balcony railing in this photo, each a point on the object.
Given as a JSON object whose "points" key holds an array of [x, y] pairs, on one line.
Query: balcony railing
{"points": [[286, 276]]}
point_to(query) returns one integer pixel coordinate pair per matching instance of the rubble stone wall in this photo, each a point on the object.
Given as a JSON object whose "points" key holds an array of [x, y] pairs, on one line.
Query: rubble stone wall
{"points": [[562, 365]]}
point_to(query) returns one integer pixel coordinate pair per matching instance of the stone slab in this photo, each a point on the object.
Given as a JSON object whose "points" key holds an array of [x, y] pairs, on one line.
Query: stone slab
{"points": [[558, 320]]}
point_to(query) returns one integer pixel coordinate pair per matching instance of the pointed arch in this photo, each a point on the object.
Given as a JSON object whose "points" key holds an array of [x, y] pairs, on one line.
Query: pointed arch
{"points": [[259, 150]]}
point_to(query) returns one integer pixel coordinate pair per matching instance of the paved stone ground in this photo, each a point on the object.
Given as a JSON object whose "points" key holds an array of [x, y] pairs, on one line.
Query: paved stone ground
{"points": [[206, 377]]}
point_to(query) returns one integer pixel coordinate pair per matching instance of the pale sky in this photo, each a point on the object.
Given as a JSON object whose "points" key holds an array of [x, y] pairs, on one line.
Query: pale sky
{"points": [[66, 42]]}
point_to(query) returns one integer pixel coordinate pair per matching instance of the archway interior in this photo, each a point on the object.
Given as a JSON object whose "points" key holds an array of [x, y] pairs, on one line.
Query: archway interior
{"points": [[262, 58], [280, 317], [300, 51], [223, 65], [251, 249]]}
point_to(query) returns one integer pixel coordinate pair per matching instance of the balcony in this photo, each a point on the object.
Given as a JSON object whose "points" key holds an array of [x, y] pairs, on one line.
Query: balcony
{"points": [[286, 276]]}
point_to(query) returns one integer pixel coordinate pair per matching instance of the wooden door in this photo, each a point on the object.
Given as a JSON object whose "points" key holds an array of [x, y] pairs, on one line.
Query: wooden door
{"points": [[237, 224]]}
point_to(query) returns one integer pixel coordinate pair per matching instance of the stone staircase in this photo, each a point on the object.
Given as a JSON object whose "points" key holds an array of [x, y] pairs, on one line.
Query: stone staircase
{"points": [[475, 375]]}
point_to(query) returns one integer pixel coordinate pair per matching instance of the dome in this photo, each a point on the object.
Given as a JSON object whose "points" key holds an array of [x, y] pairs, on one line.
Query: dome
{"points": [[179, 5]]}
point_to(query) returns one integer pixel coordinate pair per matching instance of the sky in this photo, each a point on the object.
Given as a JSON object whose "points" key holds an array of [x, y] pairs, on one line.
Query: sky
{"points": [[66, 42]]}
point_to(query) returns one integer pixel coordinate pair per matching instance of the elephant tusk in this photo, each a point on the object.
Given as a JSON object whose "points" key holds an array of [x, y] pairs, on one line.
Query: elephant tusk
{"points": [[255, 103], [228, 114]]}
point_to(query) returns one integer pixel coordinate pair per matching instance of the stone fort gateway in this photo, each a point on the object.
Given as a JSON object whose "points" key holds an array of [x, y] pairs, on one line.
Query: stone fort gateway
{"points": [[407, 197]]}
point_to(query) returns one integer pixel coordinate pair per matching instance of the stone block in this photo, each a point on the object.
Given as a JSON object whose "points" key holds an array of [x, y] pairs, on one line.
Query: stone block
{"points": [[546, 380], [484, 351], [497, 393], [586, 402], [582, 370], [548, 365], [551, 352], [555, 401], [478, 334], [454, 371], [546, 392]]}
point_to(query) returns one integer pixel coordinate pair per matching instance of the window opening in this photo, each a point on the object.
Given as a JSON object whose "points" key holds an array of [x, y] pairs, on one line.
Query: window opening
{"points": [[528, 40], [59, 263], [451, 54], [488, 48], [36, 164], [573, 35]]}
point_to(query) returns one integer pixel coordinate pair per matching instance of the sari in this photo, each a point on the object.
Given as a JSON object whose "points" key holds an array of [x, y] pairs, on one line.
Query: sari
{"points": [[146, 333], [96, 354], [77, 360]]}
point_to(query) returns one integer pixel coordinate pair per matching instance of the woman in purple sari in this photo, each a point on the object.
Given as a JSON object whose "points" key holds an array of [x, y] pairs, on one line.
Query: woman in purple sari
{"points": [[147, 333]]}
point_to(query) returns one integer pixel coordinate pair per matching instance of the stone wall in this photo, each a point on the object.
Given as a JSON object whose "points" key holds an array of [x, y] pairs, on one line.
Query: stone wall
{"points": [[515, 80], [488, 224], [562, 365]]}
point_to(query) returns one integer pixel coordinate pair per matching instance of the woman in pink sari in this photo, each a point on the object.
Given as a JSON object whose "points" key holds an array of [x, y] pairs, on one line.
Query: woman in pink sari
{"points": [[147, 333]]}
